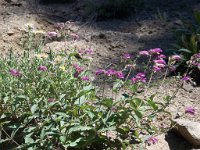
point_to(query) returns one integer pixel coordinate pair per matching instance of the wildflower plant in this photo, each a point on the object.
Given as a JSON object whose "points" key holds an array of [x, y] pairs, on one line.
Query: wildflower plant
{"points": [[49, 101]]}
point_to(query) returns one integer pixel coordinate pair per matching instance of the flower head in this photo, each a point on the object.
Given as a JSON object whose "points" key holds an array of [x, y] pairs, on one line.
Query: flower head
{"points": [[152, 140], [156, 68], [110, 72], [190, 110], [144, 53], [89, 51], [176, 57], [62, 68], [140, 77], [42, 68], [160, 61], [186, 78], [52, 34], [15, 73], [161, 56], [155, 51], [85, 78], [78, 68], [74, 36], [119, 74], [126, 56], [158, 65], [99, 71]]}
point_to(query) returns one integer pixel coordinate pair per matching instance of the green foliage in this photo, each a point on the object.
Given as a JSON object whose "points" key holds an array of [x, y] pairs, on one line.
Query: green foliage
{"points": [[188, 38], [107, 9], [50, 109]]}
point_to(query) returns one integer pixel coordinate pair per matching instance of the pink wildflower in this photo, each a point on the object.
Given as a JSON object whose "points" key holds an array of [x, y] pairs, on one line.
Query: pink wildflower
{"points": [[161, 56], [78, 68], [176, 57], [110, 72], [140, 77], [160, 61], [144, 53], [156, 69], [119, 74], [99, 71], [85, 78], [42, 68], [186, 78], [155, 51], [15, 73], [159, 64], [190, 110], [152, 140], [51, 34], [126, 56], [89, 51], [134, 80], [74, 36]]}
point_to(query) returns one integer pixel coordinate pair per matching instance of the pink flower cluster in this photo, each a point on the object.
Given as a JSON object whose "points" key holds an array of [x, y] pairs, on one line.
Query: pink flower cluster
{"points": [[79, 69], [152, 140], [191, 110], [42, 68], [195, 60], [154, 51], [127, 56], [186, 78], [159, 64], [85, 78], [52, 34], [15, 73], [140, 77], [110, 72], [88, 51]]}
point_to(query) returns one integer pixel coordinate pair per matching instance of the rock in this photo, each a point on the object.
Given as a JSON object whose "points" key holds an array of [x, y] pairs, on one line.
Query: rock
{"points": [[188, 87], [10, 32], [178, 22], [189, 130]]}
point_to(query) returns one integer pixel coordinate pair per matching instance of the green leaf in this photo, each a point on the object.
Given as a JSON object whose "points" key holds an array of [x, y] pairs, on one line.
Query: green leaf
{"points": [[197, 16], [42, 134], [34, 108], [184, 50], [79, 128], [153, 104]]}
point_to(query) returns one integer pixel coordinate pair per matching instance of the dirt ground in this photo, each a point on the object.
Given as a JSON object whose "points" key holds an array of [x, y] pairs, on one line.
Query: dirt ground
{"points": [[151, 27]]}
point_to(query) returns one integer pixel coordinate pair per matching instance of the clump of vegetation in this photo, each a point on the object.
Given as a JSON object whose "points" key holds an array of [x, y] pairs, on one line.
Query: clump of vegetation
{"points": [[48, 101], [188, 37], [188, 45], [108, 9]]}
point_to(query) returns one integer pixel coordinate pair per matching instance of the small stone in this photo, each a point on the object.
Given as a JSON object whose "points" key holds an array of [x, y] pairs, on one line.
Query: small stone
{"points": [[189, 130], [10, 32], [178, 22], [188, 87]]}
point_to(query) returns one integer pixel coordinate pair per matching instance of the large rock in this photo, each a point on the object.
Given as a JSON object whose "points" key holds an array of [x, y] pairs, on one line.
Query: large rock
{"points": [[189, 130]]}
